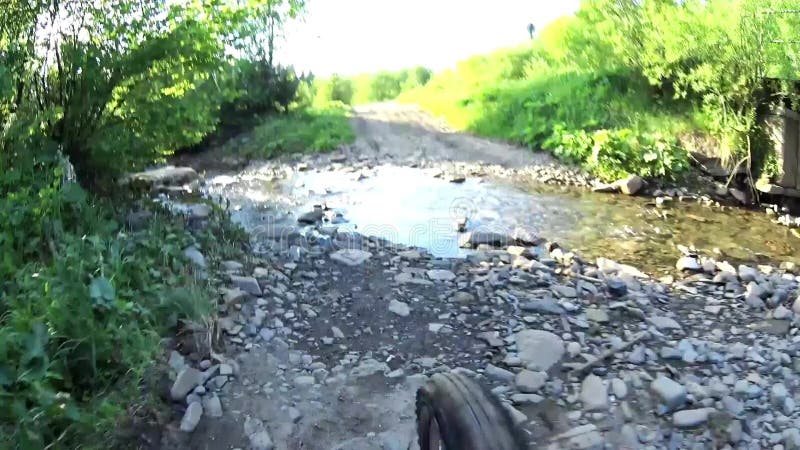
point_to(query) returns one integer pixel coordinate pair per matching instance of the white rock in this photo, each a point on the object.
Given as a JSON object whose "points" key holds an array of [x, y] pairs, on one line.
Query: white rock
{"points": [[539, 350], [747, 273], [247, 284], [212, 406], [191, 417], [399, 308], [257, 434], [441, 275], [573, 349], [669, 392], [194, 255], [498, 373], [630, 185], [781, 312], [176, 361], [691, 417], [620, 388], [594, 394], [337, 333], [351, 257], [664, 323], [688, 263], [529, 381]]}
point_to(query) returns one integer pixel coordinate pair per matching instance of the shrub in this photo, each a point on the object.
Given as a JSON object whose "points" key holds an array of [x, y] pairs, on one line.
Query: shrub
{"points": [[312, 130]]}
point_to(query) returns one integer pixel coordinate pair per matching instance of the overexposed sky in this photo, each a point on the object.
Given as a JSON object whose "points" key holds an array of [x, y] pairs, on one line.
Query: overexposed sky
{"points": [[356, 36]]}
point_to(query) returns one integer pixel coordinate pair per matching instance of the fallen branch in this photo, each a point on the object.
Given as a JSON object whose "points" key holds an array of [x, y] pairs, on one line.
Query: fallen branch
{"points": [[578, 369]]}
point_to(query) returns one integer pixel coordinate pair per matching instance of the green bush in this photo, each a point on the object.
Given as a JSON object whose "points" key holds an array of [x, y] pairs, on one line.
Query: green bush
{"points": [[312, 130], [614, 154], [83, 304]]}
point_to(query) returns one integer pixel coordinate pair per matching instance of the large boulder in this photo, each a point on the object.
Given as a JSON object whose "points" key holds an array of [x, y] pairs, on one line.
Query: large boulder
{"points": [[630, 185]]}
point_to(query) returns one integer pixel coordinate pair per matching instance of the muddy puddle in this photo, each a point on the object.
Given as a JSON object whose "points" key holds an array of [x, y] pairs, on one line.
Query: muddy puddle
{"points": [[419, 208]]}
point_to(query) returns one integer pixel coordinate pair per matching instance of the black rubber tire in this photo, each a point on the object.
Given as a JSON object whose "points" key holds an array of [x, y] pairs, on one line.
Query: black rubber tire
{"points": [[468, 415]]}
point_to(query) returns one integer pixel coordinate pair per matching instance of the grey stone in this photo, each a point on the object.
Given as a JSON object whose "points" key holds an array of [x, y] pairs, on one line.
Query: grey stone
{"points": [[464, 298], [399, 308], [337, 333], [573, 349], [669, 392], [528, 381], [539, 350], [498, 373], [475, 238], [689, 263], [594, 394], [212, 406], [295, 415], [542, 305], [526, 399], [630, 185], [619, 388], [304, 380], [176, 361], [691, 417], [732, 405], [748, 274], [194, 255], [782, 312], [441, 275], [517, 416], [185, 382], [191, 417], [247, 284], [565, 291], [791, 438], [257, 434], [597, 315], [664, 323], [778, 393], [351, 257]]}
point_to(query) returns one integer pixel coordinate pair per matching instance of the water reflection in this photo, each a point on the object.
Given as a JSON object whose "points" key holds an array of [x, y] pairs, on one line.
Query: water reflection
{"points": [[413, 207]]}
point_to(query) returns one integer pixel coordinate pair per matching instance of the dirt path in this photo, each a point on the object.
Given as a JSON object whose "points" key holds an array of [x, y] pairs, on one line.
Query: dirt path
{"points": [[398, 131]]}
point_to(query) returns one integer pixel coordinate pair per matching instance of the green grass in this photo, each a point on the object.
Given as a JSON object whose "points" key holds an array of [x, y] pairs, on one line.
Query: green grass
{"points": [[310, 130], [85, 304], [514, 95]]}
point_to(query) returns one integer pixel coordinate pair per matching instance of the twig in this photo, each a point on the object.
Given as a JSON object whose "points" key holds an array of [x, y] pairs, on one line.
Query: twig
{"points": [[578, 369]]}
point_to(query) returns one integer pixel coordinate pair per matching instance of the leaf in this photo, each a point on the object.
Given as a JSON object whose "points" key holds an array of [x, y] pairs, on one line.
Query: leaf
{"points": [[101, 289], [73, 193]]}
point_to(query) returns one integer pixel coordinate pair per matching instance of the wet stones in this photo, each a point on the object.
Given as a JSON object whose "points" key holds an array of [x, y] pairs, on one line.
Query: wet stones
{"points": [[529, 382]]}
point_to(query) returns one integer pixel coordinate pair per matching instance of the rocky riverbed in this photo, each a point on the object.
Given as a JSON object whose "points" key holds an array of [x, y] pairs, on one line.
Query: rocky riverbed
{"points": [[327, 332]]}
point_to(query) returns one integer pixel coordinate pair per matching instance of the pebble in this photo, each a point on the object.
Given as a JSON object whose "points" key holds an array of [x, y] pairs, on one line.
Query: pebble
{"points": [[619, 388]]}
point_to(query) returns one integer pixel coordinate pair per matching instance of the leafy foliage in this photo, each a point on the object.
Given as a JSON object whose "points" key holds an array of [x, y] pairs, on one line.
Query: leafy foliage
{"points": [[367, 88], [649, 68]]}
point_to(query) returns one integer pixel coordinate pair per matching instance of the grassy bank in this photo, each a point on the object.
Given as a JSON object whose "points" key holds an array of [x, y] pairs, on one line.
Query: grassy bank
{"points": [[304, 130], [618, 86]]}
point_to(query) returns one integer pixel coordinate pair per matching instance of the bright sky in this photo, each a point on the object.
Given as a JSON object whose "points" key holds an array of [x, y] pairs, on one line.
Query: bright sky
{"points": [[356, 36]]}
